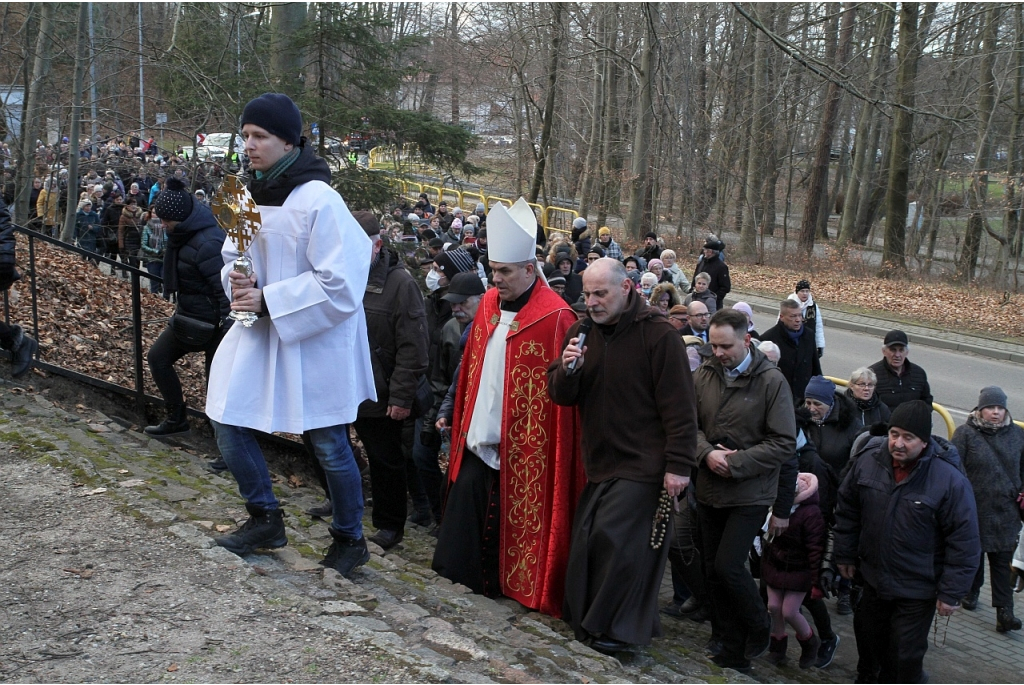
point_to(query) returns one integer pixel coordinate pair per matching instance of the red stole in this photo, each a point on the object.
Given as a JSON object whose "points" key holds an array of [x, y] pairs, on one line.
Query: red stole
{"points": [[541, 473]]}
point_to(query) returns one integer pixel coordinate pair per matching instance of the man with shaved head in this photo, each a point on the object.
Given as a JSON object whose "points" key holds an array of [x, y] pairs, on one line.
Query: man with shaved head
{"points": [[636, 462]]}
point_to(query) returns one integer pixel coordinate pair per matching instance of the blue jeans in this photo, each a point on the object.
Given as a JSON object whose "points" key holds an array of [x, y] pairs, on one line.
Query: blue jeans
{"points": [[331, 446]]}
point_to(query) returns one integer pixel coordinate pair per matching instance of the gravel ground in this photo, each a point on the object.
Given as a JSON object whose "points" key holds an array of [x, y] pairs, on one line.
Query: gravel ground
{"points": [[89, 593]]}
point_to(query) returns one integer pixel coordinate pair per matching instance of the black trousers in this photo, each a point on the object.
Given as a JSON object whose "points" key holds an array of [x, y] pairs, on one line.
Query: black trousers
{"points": [[468, 541], [165, 352], [892, 637], [736, 604], [999, 577], [382, 438]]}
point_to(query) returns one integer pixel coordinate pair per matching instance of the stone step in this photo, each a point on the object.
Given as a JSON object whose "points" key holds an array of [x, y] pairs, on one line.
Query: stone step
{"points": [[395, 603]]}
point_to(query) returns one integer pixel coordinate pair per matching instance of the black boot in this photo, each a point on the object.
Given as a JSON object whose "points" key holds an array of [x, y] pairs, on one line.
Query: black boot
{"points": [[809, 650], [345, 554], [970, 602], [1005, 620], [264, 529], [23, 349], [844, 605], [176, 423], [777, 650]]}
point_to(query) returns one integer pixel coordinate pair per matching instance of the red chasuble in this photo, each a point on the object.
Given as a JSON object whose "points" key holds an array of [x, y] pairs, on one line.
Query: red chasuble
{"points": [[541, 471]]}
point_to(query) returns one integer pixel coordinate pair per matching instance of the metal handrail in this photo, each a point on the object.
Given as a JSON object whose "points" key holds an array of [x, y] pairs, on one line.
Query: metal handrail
{"points": [[137, 274], [936, 407]]}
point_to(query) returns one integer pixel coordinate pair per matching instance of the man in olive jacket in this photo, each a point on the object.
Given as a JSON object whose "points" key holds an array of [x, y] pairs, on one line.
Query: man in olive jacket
{"points": [[747, 430], [395, 321]]}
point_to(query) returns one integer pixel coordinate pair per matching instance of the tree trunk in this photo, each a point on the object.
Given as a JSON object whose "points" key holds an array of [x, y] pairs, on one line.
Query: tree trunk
{"points": [[81, 59], [453, 42], [817, 189], [557, 12], [286, 61], [908, 55], [639, 186], [864, 151], [1013, 166], [753, 205], [610, 147], [33, 112], [978, 193], [589, 182]]}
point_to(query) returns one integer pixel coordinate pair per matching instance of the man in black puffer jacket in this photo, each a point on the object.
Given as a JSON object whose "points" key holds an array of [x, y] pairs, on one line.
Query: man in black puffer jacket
{"points": [[12, 338], [907, 526], [192, 269]]}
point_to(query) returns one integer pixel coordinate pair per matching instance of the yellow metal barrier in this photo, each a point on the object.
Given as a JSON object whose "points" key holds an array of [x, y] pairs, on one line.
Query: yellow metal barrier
{"points": [[494, 199], [559, 219], [936, 407], [451, 196], [428, 189], [468, 196]]}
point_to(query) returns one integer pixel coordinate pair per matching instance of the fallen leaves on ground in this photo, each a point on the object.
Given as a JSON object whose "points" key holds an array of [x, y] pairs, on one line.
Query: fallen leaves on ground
{"points": [[85, 321], [991, 313]]}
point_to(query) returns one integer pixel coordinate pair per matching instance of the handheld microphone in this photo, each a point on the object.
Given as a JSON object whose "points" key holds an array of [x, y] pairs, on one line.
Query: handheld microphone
{"points": [[581, 336]]}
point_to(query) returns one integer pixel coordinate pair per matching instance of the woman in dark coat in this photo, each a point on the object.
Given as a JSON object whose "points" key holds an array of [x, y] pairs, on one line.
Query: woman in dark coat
{"points": [[861, 390], [991, 449], [192, 269]]}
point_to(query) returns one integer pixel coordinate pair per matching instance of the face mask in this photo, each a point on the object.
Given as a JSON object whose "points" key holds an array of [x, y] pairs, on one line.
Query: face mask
{"points": [[433, 280], [646, 291]]}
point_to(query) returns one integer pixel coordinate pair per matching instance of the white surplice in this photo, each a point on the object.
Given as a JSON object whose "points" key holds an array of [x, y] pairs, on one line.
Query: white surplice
{"points": [[307, 365]]}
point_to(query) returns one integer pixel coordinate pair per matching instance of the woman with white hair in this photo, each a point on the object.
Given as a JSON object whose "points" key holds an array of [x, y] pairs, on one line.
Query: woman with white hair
{"points": [[861, 390], [679, 279]]}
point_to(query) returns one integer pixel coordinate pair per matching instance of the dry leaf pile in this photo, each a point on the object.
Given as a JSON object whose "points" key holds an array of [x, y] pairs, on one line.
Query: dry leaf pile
{"points": [[943, 306], [85, 321]]}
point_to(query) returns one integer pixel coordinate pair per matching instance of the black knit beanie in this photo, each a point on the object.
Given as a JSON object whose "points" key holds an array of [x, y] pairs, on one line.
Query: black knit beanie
{"points": [[453, 262], [277, 114], [915, 417], [174, 203]]}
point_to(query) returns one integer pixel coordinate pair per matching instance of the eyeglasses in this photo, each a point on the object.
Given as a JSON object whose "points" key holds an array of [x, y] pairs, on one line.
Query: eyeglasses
{"points": [[704, 315], [863, 385]]}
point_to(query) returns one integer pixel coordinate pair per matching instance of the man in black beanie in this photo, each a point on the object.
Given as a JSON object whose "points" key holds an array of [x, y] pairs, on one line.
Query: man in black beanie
{"points": [[304, 365], [907, 530]]}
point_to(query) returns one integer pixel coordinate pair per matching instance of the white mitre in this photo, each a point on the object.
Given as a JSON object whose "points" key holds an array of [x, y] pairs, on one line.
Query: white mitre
{"points": [[511, 233]]}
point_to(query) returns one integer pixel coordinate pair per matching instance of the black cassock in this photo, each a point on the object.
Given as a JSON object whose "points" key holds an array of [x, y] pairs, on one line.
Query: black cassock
{"points": [[613, 577]]}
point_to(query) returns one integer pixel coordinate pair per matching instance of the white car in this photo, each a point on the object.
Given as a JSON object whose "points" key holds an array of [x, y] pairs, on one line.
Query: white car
{"points": [[215, 146]]}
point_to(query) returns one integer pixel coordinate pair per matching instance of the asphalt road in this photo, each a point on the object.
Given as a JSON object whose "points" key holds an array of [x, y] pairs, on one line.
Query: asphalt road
{"points": [[955, 377]]}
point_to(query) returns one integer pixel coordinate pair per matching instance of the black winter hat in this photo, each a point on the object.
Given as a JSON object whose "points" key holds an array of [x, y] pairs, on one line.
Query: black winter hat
{"points": [[802, 284], [915, 417], [276, 113], [174, 203], [453, 262]]}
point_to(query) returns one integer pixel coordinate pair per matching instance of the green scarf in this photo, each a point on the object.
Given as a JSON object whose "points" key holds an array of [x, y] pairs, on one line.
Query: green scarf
{"points": [[280, 166]]}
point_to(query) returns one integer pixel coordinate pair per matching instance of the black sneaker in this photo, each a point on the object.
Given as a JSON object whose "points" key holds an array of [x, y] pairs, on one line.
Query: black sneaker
{"points": [[421, 517], [387, 539], [324, 510], [345, 554], [827, 652], [263, 530], [217, 465]]}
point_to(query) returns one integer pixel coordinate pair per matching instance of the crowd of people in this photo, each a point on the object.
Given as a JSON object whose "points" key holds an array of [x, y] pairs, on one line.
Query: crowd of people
{"points": [[568, 419]]}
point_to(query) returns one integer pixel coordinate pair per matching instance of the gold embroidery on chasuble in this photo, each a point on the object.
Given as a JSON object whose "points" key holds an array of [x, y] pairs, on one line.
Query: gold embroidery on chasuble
{"points": [[527, 394]]}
